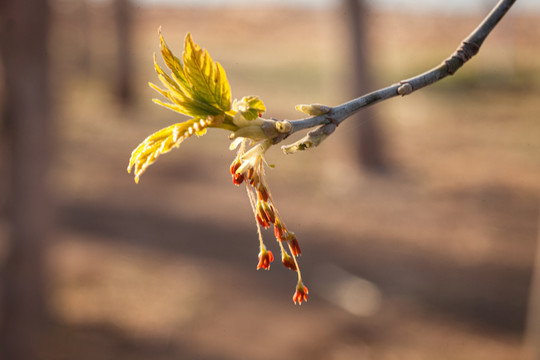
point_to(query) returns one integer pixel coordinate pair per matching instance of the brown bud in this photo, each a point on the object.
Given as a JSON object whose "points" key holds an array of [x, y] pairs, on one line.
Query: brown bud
{"points": [[288, 262], [262, 192], [295, 247], [263, 215], [262, 222], [238, 178], [269, 211], [234, 166], [278, 230]]}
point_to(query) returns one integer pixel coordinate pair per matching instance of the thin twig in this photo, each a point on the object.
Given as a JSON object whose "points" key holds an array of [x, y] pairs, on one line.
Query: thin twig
{"points": [[465, 51]]}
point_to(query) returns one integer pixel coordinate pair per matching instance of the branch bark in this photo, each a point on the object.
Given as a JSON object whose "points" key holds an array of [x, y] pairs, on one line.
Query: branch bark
{"points": [[465, 51]]}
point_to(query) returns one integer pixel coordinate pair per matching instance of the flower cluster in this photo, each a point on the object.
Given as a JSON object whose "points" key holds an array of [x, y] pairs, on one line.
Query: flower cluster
{"points": [[248, 168]]}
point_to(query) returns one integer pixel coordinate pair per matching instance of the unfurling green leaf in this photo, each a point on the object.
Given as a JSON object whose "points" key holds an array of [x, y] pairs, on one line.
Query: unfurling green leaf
{"points": [[162, 142], [251, 107], [197, 88], [207, 78]]}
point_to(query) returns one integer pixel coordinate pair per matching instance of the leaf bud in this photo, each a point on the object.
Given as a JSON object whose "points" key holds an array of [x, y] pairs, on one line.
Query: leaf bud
{"points": [[313, 109], [283, 126]]}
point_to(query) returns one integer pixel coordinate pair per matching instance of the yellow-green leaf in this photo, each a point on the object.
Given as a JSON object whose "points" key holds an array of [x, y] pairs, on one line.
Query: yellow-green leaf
{"points": [[172, 62], [162, 142], [179, 95], [197, 88], [189, 108], [207, 78], [251, 107]]}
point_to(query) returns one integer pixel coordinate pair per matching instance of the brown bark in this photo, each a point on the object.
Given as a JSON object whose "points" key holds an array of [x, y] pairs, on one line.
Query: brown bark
{"points": [[23, 46]]}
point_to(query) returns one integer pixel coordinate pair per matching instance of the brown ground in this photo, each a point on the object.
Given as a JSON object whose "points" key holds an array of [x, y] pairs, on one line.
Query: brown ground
{"points": [[166, 269]]}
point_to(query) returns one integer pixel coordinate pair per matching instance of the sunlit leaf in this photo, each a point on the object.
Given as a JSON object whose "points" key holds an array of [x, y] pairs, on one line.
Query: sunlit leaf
{"points": [[197, 88], [179, 95], [172, 62], [162, 142], [207, 78]]}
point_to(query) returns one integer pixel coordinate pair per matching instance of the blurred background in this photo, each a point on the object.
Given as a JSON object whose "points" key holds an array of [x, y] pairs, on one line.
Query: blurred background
{"points": [[418, 219]]}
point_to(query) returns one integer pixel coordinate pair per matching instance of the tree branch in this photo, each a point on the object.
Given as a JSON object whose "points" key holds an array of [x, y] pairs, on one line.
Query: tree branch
{"points": [[329, 121]]}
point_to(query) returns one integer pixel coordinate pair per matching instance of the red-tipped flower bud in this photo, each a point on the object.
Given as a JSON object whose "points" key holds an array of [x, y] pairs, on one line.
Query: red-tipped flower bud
{"points": [[288, 262], [263, 222], [238, 178], [295, 247], [262, 192], [300, 294], [269, 211], [234, 166], [278, 230], [265, 258]]}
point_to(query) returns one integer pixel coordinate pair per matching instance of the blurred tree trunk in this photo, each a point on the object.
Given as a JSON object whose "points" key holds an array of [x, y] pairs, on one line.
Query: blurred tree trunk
{"points": [[370, 139], [23, 48], [532, 330], [82, 14], [123, 13]]}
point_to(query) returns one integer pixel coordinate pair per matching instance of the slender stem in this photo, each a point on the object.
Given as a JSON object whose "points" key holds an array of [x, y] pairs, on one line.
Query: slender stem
{"points": [[295, 263], [465, 51], [253, 203], [342, 112]]}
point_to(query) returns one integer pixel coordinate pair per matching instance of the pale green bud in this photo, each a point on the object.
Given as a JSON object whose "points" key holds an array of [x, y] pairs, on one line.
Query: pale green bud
{"points": [[313, 109]]}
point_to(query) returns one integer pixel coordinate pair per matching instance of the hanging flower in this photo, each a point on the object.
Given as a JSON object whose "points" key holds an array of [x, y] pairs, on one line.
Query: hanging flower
{"points": [[300, 294], [265, 259]]}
